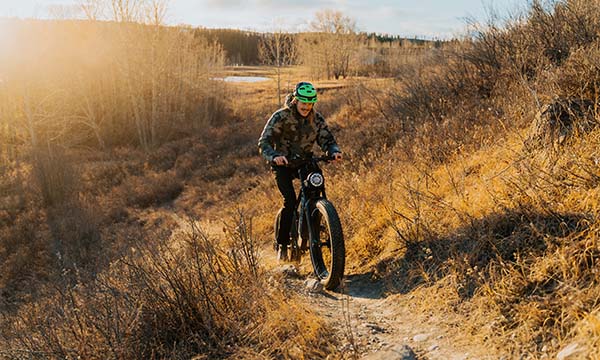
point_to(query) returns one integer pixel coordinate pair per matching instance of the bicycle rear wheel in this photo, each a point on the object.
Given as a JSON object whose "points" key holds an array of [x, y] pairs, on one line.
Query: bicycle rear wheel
{"points": [[327, 250]]}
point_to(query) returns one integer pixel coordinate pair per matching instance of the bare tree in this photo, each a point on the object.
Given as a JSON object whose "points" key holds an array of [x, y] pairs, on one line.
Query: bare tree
{"points": [[155, 11], [331, 44], [333, 22], [147, 11], [125, 10], [93, 9], [279, 49]]}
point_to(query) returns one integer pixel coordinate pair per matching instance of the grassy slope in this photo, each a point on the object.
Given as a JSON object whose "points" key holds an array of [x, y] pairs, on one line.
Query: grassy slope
{"points": [[459, 209], [489, 232], [482, 233], [440, 199], [128, 271]]}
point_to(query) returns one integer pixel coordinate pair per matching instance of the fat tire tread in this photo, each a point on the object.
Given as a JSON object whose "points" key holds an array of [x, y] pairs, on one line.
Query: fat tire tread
{"points": [[336, 273]]}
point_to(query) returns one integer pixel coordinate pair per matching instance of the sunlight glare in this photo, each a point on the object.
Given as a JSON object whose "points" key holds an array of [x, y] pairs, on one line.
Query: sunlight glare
{"points": [[6, 36]]}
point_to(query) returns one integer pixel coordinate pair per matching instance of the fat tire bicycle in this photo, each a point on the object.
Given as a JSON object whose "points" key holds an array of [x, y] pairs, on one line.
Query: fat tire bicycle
{"points": [[316, 226]]}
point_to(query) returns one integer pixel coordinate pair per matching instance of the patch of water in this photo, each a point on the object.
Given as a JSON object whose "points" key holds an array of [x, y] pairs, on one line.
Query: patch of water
{"points": [[250, 79]]}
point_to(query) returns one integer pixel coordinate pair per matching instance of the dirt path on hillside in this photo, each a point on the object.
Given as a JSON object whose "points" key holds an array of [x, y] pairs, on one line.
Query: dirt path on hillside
{"points": [[373, 325]]}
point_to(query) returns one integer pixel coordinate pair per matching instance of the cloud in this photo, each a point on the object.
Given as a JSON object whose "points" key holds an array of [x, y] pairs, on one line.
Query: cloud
{"points": [[225, 3], [303, 8], [63, 11], [426, 18]]}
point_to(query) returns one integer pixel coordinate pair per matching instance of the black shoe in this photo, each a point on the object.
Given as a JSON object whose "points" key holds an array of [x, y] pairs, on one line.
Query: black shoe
{"points": [[282, 253]]}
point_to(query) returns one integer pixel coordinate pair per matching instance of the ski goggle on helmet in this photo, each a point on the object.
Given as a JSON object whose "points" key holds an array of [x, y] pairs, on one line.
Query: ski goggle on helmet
{"points": [[305, 92]]}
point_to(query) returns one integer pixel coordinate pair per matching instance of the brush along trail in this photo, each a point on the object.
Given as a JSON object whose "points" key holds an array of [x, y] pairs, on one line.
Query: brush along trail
{"points": [[373, 325], [370, 323]]}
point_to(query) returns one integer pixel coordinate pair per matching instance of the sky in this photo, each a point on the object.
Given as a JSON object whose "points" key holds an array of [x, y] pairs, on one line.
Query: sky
{"points": [[407, 18]]}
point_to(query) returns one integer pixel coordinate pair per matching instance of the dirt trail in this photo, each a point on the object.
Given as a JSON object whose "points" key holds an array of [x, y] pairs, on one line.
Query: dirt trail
{"points": [[375, 324], [372, 324]]}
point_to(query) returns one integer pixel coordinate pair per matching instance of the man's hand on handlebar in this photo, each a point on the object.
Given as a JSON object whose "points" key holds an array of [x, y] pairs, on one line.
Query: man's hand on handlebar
{"points": [[283, 161], [280, 160]]}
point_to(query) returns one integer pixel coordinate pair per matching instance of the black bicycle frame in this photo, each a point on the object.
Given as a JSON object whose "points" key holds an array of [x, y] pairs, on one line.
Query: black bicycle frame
{"points": [[307, 195]]}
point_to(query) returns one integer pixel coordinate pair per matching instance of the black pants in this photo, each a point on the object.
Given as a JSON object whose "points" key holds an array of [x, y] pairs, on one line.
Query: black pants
{"points": [[284, 177]]}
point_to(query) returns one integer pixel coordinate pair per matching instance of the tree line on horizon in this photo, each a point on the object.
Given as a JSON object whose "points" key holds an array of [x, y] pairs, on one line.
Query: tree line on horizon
{"points": [[242, 47]]}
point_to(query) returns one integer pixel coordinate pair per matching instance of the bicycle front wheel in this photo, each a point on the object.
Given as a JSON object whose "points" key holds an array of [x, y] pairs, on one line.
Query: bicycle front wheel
{"points": [[327, 250]]}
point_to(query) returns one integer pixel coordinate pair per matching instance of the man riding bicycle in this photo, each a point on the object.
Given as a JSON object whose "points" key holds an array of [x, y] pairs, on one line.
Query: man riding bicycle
{"points": [[290, 133]]}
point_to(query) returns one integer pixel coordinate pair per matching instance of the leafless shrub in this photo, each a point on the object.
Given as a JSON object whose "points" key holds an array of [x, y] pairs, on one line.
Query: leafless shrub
{"points": [[151, 189], [559, 120], [24, 256], [146, 83], [177, 298], [244, 249], [487, 76], [55, 175]]}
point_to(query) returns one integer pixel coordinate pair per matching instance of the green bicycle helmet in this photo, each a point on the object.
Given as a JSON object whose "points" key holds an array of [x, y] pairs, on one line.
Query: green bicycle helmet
{"points": [[305, 92]]}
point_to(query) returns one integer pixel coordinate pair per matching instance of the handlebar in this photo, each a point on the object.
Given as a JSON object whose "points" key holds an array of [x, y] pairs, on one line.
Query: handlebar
{"points": [[297, 162]]}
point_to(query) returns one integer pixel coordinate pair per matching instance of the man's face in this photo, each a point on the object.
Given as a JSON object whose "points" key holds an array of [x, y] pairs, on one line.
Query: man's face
{"points": [[304, 108]]}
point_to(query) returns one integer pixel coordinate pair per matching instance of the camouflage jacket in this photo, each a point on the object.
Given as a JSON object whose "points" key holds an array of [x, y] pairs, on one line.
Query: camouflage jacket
{"points": [[287, 133]]}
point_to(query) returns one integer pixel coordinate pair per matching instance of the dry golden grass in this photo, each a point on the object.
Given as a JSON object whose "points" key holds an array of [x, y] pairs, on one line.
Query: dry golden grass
{"points": [[446, 194], [438, 196], [174, 297], [101, 299]]}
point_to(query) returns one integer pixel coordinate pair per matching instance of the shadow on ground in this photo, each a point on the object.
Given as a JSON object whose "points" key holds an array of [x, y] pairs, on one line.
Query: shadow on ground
{"points": [[363, 286]]}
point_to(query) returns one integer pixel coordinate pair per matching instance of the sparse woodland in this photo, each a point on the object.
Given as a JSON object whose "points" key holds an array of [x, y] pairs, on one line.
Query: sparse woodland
{"points": [[133, 202]]}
